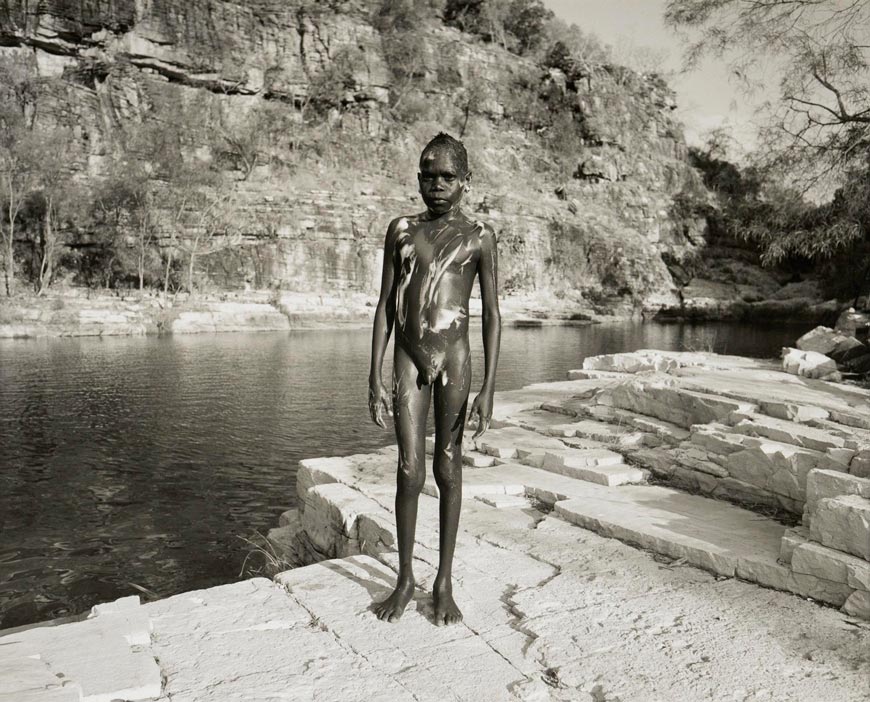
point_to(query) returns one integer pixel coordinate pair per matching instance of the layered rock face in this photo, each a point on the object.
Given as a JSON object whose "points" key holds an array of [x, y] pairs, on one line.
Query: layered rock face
{"points": [[595, 239]]}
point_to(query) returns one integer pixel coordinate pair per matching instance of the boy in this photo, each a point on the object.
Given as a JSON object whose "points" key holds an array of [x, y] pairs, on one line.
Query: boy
{"points": [[430, 262]]}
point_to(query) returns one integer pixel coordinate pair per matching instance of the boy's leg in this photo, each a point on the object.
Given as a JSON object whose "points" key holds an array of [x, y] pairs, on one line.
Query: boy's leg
{"points": [[451, 402], [410, 407]]}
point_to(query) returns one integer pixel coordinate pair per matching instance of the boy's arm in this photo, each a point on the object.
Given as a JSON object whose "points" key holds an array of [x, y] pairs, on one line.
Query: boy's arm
{"points": [[488, 276], [383, 326]]}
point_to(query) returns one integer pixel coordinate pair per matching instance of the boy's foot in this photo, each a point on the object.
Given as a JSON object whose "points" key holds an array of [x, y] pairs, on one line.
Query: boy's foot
{"points": [[392, 608], [446, 611]]}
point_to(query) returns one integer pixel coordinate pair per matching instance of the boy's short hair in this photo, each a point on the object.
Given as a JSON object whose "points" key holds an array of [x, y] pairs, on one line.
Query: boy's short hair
{"points": [[442, 140]]}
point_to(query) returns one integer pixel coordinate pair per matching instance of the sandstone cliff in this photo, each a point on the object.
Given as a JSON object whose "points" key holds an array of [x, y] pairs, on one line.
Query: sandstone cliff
{"points": [[583, 200]]}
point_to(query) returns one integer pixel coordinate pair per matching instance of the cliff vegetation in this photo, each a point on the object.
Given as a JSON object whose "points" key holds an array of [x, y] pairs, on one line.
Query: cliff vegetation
{"points": [[219, 145]]}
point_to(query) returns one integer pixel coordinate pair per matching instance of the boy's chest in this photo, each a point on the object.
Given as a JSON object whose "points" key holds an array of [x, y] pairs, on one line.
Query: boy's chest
{"points": [[453, 250]]}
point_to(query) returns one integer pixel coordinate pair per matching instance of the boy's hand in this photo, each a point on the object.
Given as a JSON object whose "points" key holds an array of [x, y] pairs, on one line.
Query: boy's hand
{"points": [[379, 402], [482, 407]]}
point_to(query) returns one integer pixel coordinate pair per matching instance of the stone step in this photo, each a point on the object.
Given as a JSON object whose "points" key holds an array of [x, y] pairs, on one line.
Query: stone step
{"points": [[503, 501], [484, 481], [611, 475], [470, 456], [599, 466], [511, 442], [713, 535], [842, 523], [475, 459]]}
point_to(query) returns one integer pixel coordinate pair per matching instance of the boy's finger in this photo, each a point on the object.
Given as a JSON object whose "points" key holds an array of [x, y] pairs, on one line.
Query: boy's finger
{"points": [[475, 407]]}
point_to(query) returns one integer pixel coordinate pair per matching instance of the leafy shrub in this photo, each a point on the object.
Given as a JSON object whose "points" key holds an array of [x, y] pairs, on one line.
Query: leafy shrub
{"points": [[518, 25]]}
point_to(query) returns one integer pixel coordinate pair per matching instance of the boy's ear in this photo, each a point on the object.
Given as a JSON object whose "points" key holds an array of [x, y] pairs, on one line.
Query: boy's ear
{"points": [[468, 181]]}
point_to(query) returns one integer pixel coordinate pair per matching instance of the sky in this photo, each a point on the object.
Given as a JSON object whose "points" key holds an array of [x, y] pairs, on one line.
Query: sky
{"points": [[707, 97]]}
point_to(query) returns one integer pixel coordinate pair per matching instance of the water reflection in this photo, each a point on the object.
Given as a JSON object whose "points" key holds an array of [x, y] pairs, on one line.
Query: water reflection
{"points": [[141, 462]]}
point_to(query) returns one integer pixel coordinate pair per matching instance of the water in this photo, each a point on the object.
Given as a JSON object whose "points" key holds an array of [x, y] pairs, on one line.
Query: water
{"points": [[144, 461]]}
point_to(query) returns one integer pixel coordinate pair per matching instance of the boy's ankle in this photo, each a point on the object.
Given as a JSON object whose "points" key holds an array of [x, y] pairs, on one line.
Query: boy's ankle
{"points": [[441, 583]]}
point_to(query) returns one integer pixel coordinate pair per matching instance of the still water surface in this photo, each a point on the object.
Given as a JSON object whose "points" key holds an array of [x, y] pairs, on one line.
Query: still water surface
{"points": [[145, 461]]}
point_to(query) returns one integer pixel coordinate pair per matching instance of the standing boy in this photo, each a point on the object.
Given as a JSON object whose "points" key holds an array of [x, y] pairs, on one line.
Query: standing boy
{"points": [[430, 263]]}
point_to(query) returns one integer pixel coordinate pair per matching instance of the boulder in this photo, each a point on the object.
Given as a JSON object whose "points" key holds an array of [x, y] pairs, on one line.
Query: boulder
{"points": [[859, 363], [828, 342], [853, 323], [597, 168], [809, 364], [630, 363]]}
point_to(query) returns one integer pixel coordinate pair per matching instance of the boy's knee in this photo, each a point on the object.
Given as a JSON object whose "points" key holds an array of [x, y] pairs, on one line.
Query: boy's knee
{"points": [[412, 475], [448, 476]]}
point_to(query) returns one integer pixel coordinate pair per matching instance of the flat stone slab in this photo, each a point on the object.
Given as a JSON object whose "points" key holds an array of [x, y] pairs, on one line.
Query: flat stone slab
{"points": [[30, 680], [249, 640], [427, 662], [713, 535], [107, 656]]}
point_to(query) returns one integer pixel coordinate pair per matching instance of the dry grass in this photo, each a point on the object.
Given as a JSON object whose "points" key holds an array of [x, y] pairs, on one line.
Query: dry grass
{"points": [[262, 559]]}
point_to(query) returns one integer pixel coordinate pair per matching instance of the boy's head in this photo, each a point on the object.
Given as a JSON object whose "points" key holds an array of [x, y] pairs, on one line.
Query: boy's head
{"points": [[454, 147], [444, 173]]}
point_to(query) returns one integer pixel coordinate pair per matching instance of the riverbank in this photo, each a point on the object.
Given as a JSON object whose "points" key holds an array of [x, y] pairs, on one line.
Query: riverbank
{"points": [[80, 313], [559, 601]]}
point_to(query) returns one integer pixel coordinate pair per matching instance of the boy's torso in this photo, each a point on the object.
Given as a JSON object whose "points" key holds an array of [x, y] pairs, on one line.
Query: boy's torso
{"points": [[436, 262]]}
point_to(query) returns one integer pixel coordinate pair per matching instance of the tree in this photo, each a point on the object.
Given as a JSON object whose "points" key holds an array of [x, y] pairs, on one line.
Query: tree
{"points": [[834, 236], [401, 24], [58, 194], [573, 44], [17, 146], [819, 124], [204, 209], [527, 22], [125, 202], [516, 25], [17, 180], [181, 194], [244, 139]]}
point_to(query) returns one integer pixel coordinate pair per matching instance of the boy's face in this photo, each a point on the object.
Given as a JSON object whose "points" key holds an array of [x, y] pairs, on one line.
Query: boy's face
{"points": [[442, 184]]}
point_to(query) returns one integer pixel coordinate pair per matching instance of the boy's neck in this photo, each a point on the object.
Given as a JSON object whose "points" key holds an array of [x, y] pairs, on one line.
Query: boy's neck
{"points": [[449, 214]]}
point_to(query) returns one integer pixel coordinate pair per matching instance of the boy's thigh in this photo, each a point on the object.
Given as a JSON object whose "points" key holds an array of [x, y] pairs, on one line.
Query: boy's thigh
{"points": [[451, 401], [410, 402]]}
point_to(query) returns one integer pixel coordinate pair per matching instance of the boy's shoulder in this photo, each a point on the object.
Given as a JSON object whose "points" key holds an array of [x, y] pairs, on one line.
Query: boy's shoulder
{"points": [[482, 229], [402, 223]]}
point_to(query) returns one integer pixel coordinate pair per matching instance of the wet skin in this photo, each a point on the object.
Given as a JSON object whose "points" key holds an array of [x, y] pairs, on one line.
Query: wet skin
{"points": [[430, 263]]}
